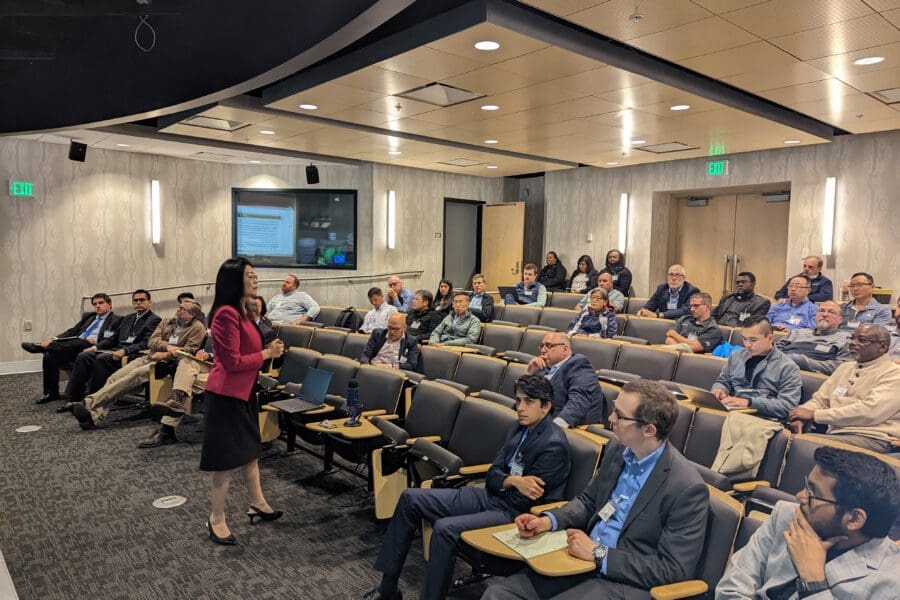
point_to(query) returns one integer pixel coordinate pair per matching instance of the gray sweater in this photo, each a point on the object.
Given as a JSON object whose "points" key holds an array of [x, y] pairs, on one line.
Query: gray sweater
{"points": [[816, 352], [774, 388]]}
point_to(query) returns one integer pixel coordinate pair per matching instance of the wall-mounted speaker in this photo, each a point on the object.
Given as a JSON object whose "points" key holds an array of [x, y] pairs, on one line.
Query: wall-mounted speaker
{"points": [[77, 151], [312, 174]]}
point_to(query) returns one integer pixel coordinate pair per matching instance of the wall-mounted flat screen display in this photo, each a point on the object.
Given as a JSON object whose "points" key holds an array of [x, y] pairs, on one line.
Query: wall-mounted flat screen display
{"points": [[295, 228]]}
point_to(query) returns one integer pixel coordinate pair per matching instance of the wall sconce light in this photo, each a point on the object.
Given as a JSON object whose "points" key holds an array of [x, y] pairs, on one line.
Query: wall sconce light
{"points": [[828, 215], [623, 221], [155, 213], [391, 219]]}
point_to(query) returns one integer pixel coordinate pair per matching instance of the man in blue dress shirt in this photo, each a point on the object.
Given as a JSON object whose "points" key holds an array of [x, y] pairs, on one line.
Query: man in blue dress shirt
{"points": [[798, 312], [398, 296], [641, 520]]}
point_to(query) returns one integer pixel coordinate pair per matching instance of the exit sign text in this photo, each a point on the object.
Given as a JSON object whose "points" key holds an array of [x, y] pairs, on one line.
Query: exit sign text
{"points": [[717, 167], [21, 188]]}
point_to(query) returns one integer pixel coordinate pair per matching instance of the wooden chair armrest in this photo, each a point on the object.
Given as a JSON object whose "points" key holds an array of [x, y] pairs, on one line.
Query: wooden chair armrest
{"points": [[895, 443], [682, 589], [536, 510], [269, 408], [475, 394], [430, 438], [474, 469], [745, 487], [373, 413]]}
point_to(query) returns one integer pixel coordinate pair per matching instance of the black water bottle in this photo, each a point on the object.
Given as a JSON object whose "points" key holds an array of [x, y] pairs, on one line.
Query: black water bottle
{"points": [[354, 406]]}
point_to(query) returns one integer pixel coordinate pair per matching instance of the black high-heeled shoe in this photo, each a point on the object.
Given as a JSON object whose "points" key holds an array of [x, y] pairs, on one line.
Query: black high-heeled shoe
{"points": [[255, 513], [226, 541]]}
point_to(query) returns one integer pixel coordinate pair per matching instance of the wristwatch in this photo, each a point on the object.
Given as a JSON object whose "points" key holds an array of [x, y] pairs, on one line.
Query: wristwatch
{"points": [[808, 588], [599, 553]]}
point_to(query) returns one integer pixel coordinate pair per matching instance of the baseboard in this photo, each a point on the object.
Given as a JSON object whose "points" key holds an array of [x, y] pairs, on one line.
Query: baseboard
{"points": [[20, 366]]}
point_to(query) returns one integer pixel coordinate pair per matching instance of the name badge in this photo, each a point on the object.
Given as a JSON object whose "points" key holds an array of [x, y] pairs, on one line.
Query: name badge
{"points": [[129, 339], [527, 292], [743, 316], [823, 348], [608, 510], [615, 277], [672, 305], [839, 392], [402, 359], [794, 320], [517, 468], [853, 324], [416, 324], [692, 337], [173, 339], [108, 334]]}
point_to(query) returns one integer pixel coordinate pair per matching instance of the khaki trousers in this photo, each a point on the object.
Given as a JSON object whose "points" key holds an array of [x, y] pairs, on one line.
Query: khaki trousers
{"points": [[190, 378], [136, 373]]}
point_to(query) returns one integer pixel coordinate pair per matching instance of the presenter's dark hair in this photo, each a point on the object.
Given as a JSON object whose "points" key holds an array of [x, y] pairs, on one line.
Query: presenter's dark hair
{"points": [[535, 387], [230, 285], [140, 291]]}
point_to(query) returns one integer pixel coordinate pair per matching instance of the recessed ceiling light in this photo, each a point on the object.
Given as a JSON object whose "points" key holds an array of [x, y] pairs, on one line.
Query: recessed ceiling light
{"points": [[680, 107], [267, 132], [492, 166], [124, 145], [394, 152], [309, 106], [791, 141], [869, 60], [638, 142], [487, 45], [611, 163], [490, 107], [255, 162], [491, 141]]}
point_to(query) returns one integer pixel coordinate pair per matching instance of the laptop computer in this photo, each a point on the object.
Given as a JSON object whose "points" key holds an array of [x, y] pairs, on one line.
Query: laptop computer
{"points": [[312, 393], [505, 290], [702, 397]]}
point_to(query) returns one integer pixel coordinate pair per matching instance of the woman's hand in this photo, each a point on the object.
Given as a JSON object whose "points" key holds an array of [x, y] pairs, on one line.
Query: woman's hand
{"points": [[275, 349]]}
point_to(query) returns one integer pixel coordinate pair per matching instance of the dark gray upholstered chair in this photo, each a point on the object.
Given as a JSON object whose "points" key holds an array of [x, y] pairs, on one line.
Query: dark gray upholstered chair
{"points": [[498, 398], [295, 336], [296, 363], [564, 300], [635, 304], [438, 363], [480, 372], [342, 370], [501, 337], [650, 363], [354, 344], [328, 341], [379, 388], [523, 315], [601, 353], [698, 370], [811, 383], [512, 373], [531, 341], [652, 330], [557, 319]]}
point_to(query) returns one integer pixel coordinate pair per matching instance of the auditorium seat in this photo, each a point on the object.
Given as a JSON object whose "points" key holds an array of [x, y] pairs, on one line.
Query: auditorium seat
{"points": [[497, 398], [379, 388], [295, 336], [501, 337], [531, 341], [512, 373], [328, 341], [523, 315], [557, 318], [342, 370], [698, 370], [438, 363], [635, 304], [479, 373], [652, 330], [354, 344], [811, 383], [621, 321], [650, 363], [702, 443], [679, 434], [564, 300], [737, 338], [601, 353], [749, 525], [328, 315], [297, 362]]}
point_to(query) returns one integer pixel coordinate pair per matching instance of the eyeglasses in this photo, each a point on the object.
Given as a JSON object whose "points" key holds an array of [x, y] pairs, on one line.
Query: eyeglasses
{"points": [[550, 345], [674, 274], [139, 300], [622, 417], [253, 276], [810, 496], [857, 284], [862, 340], [829, 311], [794, 286]]}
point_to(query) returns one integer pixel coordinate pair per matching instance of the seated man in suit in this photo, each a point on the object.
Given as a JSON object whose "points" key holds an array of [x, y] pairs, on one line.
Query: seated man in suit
{"points": [[531, 467], [760, 376], [60, 351], [821, 288], [834, 545], [94, 366], [822, 349], [860, 402], [577, 397], [458, 328], [641, 519], [481, 304], [744, 302], [670, 300], [184, 332], [392, 347], [697, 332], [528, 291], [797, 312]]}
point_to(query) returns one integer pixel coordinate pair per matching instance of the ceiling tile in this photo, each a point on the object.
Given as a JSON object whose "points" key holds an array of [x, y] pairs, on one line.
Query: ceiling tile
{"points": [[742, 59], [549, 60], [598, 81], [329, 97], [398, 107], [842, 67], [512, 44], [563, 7], [694, 39], [615, 18], [883, 5], [383, 81], [782, 17], [429, 63], [839, 38], [766, 79], [723, 6], [893, 16], [818, 90], [873, 81], [489, 80]]}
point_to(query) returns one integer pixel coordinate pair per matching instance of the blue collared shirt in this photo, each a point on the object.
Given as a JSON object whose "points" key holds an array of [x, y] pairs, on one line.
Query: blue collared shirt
{"points": [[873, 312], [515, 454], [801, 316], [632, 479], [475, 301]]}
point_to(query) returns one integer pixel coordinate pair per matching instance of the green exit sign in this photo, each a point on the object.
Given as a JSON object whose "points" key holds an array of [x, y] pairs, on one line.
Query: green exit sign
{"points": [[717, 167], [21, 188]]}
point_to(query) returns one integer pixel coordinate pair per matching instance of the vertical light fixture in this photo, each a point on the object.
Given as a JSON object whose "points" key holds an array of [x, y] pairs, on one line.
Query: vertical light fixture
{"points": [[623, 221], [155, 213], [828, 215], [391, 219]]}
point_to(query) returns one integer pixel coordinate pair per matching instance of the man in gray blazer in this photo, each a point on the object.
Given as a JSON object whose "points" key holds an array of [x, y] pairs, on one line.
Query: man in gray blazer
{"points": [[642, 519], [834, 545]]}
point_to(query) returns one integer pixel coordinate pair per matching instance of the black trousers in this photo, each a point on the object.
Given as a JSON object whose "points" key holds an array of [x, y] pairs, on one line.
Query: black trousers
{"points": [[89, 373], [60, 354]]}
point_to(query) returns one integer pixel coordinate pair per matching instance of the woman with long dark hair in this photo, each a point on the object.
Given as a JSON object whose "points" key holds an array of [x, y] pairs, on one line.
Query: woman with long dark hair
{"points": [[584, 277], [231, 438], [553, 275], [621, 276], [443, 298]]}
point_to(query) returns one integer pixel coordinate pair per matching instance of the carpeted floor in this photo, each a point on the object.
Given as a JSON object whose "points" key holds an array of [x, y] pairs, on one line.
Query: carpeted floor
{"points": [[76, 519]]}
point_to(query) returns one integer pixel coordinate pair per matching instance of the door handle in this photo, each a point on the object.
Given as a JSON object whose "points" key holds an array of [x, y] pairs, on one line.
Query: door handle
{"points": [[734, 270], [727, 259]]}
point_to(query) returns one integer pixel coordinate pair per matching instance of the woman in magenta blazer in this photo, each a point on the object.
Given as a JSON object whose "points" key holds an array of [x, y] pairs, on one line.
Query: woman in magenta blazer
{"points": [[231, 433]]}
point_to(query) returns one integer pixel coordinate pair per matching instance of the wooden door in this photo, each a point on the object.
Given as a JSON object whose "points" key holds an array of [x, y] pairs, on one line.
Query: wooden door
{"points": [[760, 240], [704, 237], [502, 239]]}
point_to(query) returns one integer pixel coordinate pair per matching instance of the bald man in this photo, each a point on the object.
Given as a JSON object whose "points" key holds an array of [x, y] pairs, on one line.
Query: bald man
{"points": [[577, 397], [398, 296], [671, 299], [392, 347]]}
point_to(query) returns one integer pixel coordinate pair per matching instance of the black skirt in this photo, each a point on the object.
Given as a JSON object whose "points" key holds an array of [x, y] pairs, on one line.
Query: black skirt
{"points": [[230, 433]]}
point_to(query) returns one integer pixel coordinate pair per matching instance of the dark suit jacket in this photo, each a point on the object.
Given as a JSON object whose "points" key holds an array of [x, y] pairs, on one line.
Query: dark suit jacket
{"points": [[126, 329], [110, 324], [485, 314], [659, 301], [662, 537], [821, 290], [408, 350], [545, 454], [577, 397]]}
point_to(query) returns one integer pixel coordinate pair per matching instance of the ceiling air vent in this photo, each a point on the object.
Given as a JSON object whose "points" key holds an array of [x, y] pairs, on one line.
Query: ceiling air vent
{"points": [[213, 156], [214, 123], [460, 162], [440, 94], [889, 96], [665, 148]]}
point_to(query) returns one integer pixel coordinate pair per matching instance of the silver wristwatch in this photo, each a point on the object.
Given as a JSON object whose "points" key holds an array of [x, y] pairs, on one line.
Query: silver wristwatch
{"points": [[599, 553], [807, 588]]}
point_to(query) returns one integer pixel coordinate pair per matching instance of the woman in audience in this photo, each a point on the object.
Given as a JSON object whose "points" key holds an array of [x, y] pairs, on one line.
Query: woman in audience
{"points": [[262, 321], [231, 433], [597, 319], [422, 320], [443, 298], [584, 277], [553, 275], [621, 276]]}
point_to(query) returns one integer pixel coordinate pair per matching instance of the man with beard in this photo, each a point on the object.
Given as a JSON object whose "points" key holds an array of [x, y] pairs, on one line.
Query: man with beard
{"points": [[822, 349], [615, 266], [744, 302]]}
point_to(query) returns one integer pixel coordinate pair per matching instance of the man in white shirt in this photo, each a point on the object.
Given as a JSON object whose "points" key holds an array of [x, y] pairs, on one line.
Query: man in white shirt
{"points": [[291, 305], [377, 318]]}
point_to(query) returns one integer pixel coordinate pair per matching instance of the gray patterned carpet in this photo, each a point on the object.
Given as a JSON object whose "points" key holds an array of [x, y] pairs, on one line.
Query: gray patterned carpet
{"points": [[76, 519]]}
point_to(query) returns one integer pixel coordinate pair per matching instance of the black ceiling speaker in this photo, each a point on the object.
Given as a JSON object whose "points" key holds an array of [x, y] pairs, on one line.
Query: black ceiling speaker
{"points": [[312, 174], [77, 151]]}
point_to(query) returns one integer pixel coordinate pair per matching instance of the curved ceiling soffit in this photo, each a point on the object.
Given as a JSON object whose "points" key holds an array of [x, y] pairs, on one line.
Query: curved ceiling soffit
{"points": [[76, 88]]}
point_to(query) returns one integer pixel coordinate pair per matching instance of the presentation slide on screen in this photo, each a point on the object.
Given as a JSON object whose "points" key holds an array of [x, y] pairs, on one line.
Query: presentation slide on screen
{"points": [[266, 230]]}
